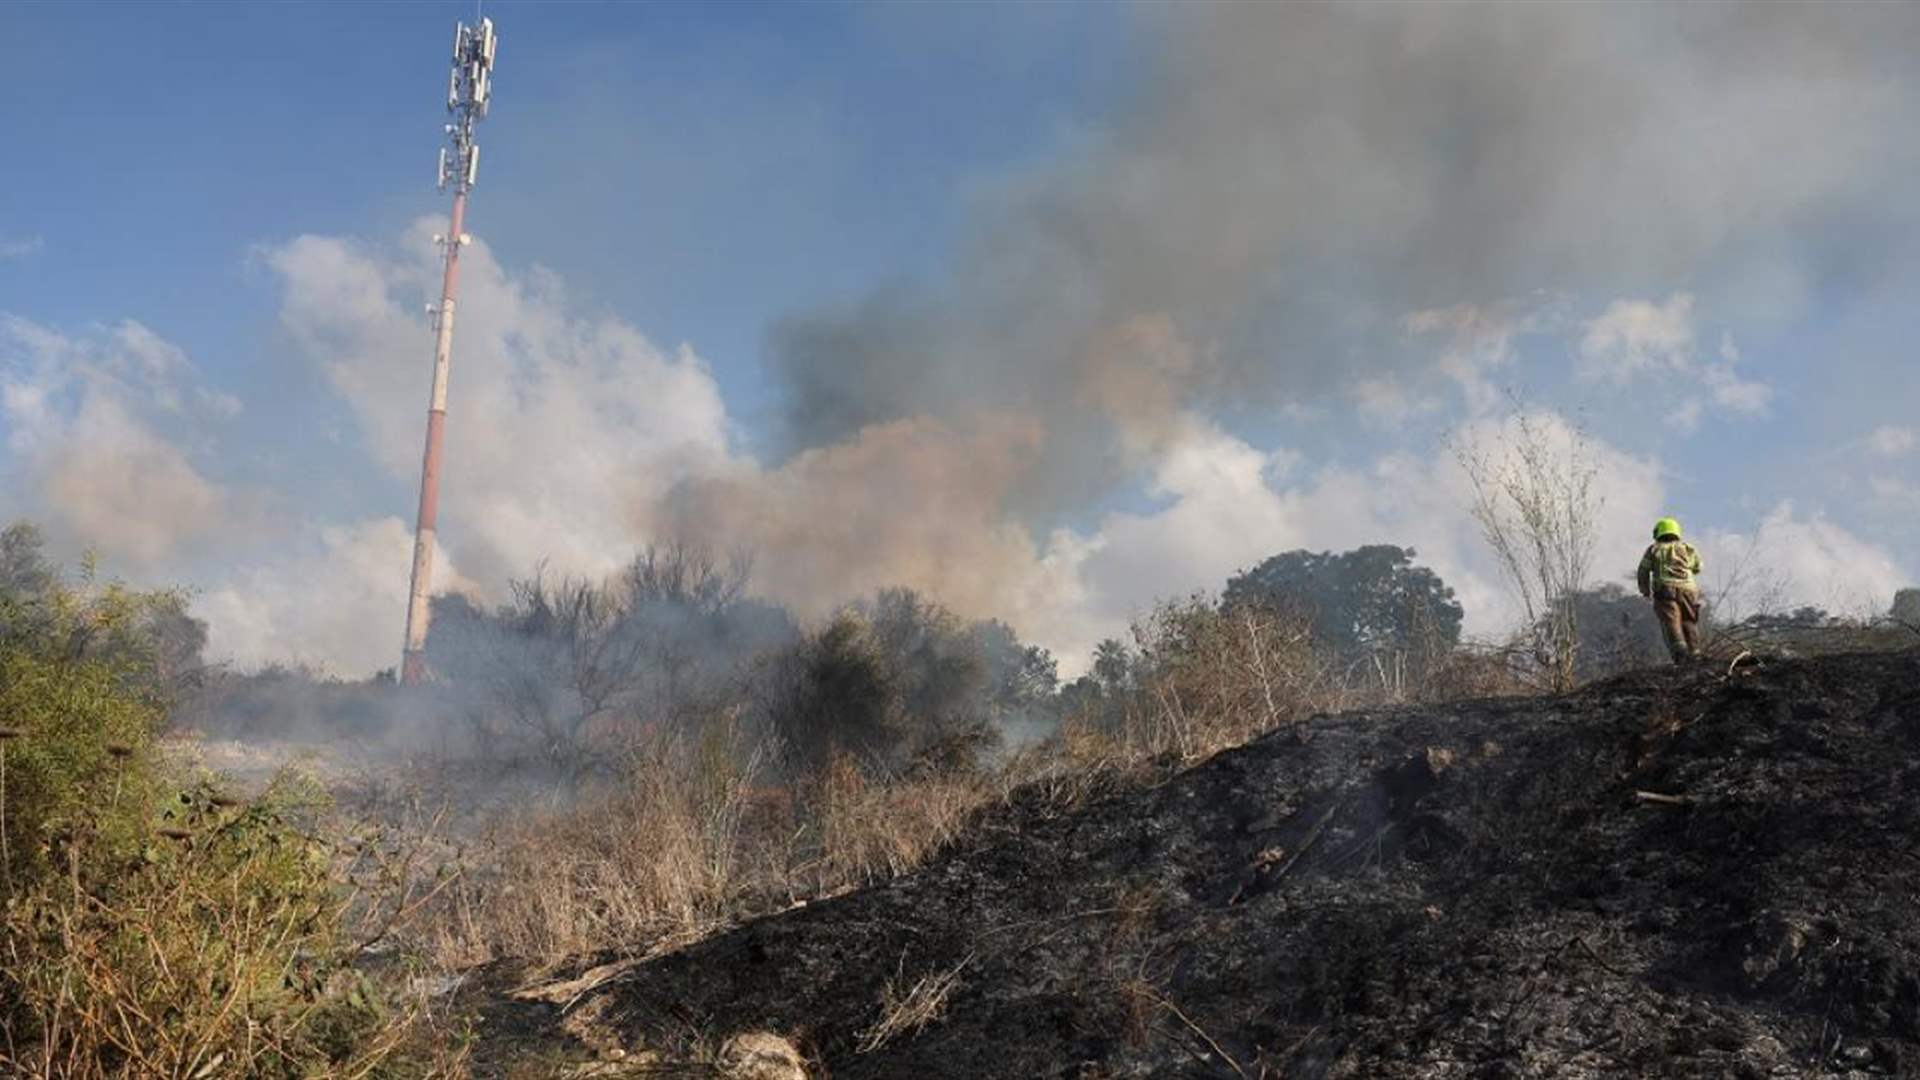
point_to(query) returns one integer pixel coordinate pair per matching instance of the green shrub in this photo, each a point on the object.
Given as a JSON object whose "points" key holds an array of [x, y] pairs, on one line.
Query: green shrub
{"points": [[152, 925]]}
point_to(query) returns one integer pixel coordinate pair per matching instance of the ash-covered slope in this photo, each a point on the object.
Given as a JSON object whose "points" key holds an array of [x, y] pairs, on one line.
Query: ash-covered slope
{"points": [[1468, 890]]}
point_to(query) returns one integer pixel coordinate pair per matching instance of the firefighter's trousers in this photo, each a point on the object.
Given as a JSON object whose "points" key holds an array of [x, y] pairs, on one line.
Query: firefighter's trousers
{"points": [[1679, 612]]}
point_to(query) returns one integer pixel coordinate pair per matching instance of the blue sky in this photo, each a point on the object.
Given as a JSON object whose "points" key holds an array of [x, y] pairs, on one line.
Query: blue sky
{"points": [[1048, 309], [696, 167]]}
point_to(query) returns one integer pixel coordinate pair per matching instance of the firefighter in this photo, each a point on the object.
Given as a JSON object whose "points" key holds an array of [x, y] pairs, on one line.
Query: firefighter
{"points": [[1669, 575]]}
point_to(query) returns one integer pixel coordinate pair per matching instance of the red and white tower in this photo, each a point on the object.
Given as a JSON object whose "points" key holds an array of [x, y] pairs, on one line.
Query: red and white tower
{"points": [[469, 87]]}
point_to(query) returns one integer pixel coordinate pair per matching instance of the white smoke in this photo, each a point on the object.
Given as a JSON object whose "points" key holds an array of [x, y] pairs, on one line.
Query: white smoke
{"points": [[94, 439], [1655, 344], [555, 420], [337, 607]]}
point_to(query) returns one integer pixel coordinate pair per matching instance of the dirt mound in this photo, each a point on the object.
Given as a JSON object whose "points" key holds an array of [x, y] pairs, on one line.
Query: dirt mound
{"points": [[1672, 873]]}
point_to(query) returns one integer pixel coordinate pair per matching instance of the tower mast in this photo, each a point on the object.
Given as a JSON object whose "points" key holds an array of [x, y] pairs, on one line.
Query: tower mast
{"points": [[469, 87]]}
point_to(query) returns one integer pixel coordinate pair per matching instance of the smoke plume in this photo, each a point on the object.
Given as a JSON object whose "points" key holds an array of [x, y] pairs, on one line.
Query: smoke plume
{"points": [[1301, 197], [1297, 178], [1366, 212]]}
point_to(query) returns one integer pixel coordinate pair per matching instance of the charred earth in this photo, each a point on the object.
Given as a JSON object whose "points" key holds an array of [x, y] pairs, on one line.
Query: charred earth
{"points": [[1683, 872]]}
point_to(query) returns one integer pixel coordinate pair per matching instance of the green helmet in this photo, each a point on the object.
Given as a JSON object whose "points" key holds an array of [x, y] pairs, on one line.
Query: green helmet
{"points": [[1666, 527]]}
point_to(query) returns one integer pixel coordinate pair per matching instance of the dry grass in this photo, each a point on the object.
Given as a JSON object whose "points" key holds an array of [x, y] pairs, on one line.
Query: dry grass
{"points": [[698, 836], [906, 1008], [694, 838], [870, 830], [214, 953], [1208, 680], [700, 832], [665, 857]]}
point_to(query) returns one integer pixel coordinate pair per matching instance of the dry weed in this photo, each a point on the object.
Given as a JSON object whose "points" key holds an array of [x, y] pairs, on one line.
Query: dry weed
{"points": [[906, 1009], [693, 841], [661, 859], [872, 830], [216, 953]]}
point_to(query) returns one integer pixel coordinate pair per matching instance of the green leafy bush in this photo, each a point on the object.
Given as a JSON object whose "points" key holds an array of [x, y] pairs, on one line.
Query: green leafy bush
{"points": [[152, 924]]}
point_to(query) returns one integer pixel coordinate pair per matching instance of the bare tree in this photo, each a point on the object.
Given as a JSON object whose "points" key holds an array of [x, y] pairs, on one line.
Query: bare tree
{"points": [[687, 574], [1748, 595], [574, 668], [1534, 499], [569, 665], [676, 598]]}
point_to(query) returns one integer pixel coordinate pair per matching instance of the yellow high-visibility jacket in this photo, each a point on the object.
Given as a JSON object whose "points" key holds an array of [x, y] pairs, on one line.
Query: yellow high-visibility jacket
{"points": [[1669, 564]]}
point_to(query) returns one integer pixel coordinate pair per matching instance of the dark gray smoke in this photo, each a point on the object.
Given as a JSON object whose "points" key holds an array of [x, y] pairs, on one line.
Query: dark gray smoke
{"points": [[1295, 179], [1303, 202]]}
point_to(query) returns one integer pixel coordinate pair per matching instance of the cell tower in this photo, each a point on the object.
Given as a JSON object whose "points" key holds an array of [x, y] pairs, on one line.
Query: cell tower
{"points": [[469, 87]]}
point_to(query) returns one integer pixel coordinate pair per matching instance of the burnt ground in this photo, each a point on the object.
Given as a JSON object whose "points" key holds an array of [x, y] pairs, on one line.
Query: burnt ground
{"points": [[1475, 889]]}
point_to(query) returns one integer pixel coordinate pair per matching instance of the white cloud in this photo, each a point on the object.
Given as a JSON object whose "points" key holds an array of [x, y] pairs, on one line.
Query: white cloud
{"points": [[1894, 494], [1221, 511], [1635, 336], [1632, 339], [87, 443], [1890, 440], [99, 426], [1686, 416], [575, 439], [1790, 559], [1228, 505], [92, 450], [1386, 401], [1733, 393], [14, 249]]}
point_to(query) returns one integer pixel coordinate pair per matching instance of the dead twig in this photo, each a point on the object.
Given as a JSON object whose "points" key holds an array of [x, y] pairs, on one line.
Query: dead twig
{"points": [[1743, 654], [1313, 836], [1167, 1004], [1663, 799], [912, 1009], [1048, 921], [1295, 1048], [1595, 956]]}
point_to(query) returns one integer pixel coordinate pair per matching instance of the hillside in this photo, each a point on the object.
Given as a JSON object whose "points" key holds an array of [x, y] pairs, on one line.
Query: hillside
{"points": [[1477, 889]]}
